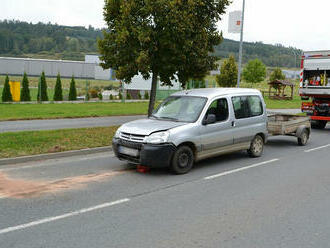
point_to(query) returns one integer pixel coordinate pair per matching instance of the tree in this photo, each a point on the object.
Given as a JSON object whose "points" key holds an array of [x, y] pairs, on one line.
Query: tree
{"points": [[58, 94], [161, 39], [73, 90], [6, 94], [276, 75], [25, 91], [254, 71], [43, 90], [228, 73]]}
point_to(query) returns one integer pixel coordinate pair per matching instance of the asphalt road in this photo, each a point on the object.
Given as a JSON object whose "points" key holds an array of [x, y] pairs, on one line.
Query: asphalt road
{"points": [[278, 200], [33, 125]]}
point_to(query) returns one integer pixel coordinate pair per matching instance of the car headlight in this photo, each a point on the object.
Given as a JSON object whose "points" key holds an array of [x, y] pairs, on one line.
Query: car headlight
{"points": [[117, 134], [157, 138]]}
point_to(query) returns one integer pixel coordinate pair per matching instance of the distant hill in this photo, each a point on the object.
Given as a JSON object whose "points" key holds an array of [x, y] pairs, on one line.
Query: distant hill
{"points": [[22, 39]]}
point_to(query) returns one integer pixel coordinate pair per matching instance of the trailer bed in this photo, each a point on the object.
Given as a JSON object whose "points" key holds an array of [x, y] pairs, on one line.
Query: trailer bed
{"points": [[285, 124]]}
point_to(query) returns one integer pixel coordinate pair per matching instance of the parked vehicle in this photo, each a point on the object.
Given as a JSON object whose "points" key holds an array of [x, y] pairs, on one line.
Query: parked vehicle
{"points": [[315, 85], [193, 125], [290, 125]]}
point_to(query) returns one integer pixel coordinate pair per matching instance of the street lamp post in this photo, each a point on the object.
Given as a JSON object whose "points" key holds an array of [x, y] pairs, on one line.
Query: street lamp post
{"points": [[241, 47]]}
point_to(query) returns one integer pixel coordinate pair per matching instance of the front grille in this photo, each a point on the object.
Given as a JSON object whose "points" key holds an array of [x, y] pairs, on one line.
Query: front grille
{"points": [[132, 137], [130, 144]]}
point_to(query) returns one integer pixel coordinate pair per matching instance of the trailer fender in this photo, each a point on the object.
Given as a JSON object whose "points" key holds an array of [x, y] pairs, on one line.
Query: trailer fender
{"points": [[301, 130]]}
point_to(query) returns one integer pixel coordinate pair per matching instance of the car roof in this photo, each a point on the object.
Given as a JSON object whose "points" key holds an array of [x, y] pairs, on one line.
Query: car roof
{"points": [[214, 92]]}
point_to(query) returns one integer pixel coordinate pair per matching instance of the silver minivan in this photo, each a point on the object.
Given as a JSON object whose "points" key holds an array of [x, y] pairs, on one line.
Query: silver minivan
{"points": [[193, 125]]}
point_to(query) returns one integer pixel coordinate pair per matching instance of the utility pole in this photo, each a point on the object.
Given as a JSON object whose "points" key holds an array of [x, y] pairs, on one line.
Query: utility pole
{"points": [[241, 47]]}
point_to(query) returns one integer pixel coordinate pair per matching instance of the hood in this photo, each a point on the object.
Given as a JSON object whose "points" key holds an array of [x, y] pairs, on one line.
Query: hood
{"points": [[148, 126]]}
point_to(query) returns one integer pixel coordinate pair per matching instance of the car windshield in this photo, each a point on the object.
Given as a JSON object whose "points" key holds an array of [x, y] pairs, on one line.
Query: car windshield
{"points": [[180, 108]]}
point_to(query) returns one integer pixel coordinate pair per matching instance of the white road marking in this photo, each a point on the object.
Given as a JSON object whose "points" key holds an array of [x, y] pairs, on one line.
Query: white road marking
{"points": [[64, 216], [317, 148], [240, 169]]}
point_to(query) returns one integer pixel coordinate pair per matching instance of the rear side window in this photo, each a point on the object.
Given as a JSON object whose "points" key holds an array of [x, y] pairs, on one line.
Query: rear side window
{"points": [[247, 106]]}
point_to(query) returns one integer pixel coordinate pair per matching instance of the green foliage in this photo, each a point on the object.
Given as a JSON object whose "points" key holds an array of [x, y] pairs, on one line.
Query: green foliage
{"points": [[128, 96], [6, 94], [111, 97], [58, 95], [162, 38], [146, 95], [228, 73], [73, 90], [120, 95], [276, 75], [25, 91], [139, 95], [93, 93], [254, 71], [100, 96], [43, 85], [87, 96]]}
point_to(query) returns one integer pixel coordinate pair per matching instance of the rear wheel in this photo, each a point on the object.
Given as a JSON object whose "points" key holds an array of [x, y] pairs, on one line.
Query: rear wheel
{"points": [[319, 124], [302, 140], [256, 147], [183, 160]]}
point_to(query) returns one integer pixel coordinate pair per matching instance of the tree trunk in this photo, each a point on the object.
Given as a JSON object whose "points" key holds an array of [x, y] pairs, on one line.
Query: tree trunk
{"points": [[153, 93]]}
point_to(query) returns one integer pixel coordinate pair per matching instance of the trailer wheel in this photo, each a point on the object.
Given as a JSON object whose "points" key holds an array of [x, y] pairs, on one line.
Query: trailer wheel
{"points": [[303, 139], [319, 124], [256, 147]]}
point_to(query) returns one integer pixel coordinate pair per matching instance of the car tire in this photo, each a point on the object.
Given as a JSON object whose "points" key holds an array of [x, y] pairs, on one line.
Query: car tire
{"points": [[319, 124], [183, 160], [303, 139], [256, 147]]}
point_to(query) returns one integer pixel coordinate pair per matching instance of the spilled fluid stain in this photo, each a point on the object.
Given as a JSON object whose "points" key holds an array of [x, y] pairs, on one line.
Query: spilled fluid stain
{"points": [[20, 188]]}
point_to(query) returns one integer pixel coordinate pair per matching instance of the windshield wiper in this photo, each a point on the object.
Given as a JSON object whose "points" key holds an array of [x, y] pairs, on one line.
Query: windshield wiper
{"points": [[169, 118]]}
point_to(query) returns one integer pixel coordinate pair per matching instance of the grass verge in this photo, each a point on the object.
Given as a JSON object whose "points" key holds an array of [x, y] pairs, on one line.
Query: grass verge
{"points": [[40, 142], [70, 110]]}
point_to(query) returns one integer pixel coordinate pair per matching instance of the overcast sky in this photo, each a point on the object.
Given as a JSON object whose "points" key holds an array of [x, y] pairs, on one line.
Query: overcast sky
{"points": [[298, 23]]}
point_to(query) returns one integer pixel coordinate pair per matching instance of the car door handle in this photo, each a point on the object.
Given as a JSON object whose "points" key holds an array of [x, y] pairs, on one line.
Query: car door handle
{"points": [[233, 124]]}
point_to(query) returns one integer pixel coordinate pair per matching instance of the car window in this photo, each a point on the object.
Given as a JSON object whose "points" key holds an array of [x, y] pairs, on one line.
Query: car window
{"points": [[219, 108], [247, 106], [241, 107], [255, 104]]}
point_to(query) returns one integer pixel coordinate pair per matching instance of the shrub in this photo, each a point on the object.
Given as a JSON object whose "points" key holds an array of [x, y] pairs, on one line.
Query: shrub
{"points": [[139, 96], [100, 96], [73, 90], [228, 73], [120, 96], [6, 94], [25, 92], [128, 96], [43, 90], [146, 95], [111, 97], [276, 75], [93, 93], [254, 71], [58, 95]]}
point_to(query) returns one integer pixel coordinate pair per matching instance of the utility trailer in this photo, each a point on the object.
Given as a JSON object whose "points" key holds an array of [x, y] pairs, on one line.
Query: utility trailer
{"points": [[315, 85], [290, 125]]}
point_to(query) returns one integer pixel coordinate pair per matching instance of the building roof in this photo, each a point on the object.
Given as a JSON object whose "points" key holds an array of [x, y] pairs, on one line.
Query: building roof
{"points": [[213, 92], [281, 82]]}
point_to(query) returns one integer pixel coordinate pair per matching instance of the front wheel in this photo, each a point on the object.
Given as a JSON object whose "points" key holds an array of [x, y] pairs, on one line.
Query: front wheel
{"points": [[183, 160], [256, 147]]}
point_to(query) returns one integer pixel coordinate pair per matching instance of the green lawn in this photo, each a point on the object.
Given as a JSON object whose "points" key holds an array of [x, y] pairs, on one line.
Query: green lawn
{"points": [[69, 110], [39, 142]]}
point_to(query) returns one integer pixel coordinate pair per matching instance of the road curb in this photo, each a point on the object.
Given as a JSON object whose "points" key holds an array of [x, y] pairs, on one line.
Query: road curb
{"points": [[9, 161]]}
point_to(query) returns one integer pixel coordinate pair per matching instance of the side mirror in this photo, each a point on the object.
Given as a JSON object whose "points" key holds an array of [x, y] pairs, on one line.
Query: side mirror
{"points": [[210, 119]]}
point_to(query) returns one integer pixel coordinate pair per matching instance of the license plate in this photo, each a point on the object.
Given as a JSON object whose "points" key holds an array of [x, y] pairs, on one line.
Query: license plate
{"points": [[128, 151]]}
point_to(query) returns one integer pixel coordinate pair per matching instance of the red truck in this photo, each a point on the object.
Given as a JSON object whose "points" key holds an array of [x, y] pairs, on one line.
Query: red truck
{"points": [[315, 85]]}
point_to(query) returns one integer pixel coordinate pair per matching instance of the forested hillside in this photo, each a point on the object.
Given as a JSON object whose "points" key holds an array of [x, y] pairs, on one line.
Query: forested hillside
{"points": [[22, 39]]}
